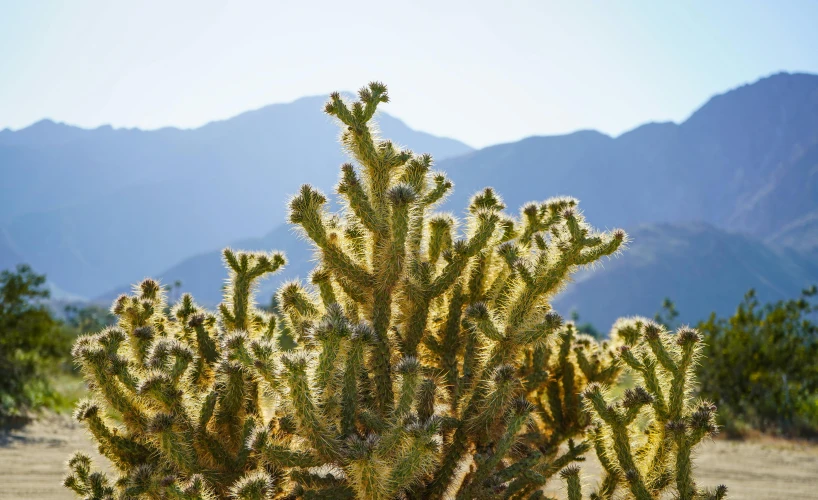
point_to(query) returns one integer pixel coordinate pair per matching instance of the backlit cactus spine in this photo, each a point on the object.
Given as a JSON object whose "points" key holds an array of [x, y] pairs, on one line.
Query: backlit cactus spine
{"points": [[428, 364]]}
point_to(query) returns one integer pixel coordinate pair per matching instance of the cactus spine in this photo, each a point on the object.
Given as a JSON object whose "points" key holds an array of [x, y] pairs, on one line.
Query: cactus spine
{"points": [[429, 362]]}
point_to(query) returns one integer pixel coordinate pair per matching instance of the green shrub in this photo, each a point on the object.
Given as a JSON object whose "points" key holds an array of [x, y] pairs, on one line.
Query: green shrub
{"points": [[762, 365], [427, 363], [31, 340], [88, 318]]}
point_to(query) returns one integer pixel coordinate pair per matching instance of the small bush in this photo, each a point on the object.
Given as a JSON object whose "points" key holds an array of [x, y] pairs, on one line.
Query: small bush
{"points": [[762, 365], [31, 340]]}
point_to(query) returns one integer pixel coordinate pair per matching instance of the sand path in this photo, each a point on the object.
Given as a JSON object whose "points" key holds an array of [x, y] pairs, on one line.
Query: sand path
{"points": [[32, 464]]}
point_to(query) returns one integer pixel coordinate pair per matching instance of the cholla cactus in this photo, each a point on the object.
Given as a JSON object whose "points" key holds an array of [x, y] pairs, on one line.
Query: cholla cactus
{"points": [[648, 462], [428, 363]]}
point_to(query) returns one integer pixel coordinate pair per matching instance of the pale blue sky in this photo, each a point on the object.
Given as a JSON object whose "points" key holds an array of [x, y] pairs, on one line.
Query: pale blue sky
{"points": [[483, 72]]}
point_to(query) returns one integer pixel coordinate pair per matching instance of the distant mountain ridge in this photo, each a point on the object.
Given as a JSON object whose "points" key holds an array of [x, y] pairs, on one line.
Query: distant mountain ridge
{"points": [[744, 161], [93, 208], [701, 268], [715, 205]]}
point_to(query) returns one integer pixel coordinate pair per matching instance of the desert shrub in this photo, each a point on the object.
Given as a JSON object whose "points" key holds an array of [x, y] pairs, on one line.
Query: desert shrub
{"points": [[427, 362], [87, 318], [31, 340], [585, 327], [668, 315], [762, 366]]}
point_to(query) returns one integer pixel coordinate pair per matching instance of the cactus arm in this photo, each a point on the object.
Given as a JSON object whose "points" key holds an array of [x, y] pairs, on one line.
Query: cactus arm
{"points": [[574, 488], [322, 279], [352, 372], [450, 348], [311, 424], [518, 417], [246, 267], [351, 187], [612, 477]]}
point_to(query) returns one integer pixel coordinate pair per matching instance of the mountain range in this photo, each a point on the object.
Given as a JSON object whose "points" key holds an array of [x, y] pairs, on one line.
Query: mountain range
{"points": [[744, 161], [724, 201], [97, 208]]}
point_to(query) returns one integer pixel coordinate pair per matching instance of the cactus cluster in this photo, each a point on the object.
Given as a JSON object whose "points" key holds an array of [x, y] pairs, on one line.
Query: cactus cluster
{"points": [[654, 457], [428, 361]]}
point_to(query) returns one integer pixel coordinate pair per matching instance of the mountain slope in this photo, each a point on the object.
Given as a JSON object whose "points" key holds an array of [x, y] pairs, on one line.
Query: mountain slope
{"points": [[745, 161], [785, 211], [9, 257], [96, 208], [204, 274], [701, 268]]}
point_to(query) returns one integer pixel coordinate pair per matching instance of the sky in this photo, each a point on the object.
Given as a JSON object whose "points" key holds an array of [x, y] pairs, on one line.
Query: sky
{"points": [[484, 72]]}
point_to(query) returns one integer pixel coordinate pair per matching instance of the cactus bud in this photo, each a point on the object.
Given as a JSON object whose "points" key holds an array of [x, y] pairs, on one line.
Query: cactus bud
{"points": [[149, 289], [637, 396], [401, 195], [687, 336], [652, 331]]}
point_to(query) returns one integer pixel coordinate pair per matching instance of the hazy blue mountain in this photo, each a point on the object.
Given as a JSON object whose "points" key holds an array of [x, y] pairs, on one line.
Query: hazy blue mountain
{"points": [[96, 208], [8, 255], [802, 234], [785, 211], [723, 202], [746, 161], [701, 268], [204, 274]]}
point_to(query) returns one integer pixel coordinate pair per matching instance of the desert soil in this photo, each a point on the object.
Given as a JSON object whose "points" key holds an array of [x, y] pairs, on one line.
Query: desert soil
{"points": [[32, 464]]}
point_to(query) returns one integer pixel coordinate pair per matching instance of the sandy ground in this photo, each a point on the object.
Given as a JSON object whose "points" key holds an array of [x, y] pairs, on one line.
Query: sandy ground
{"points": [[32, 464], [32, 459], [759, 469]]}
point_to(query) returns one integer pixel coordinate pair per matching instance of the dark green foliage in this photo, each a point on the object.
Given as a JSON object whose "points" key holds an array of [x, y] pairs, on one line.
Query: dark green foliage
{"points": [[423, 361], [668, 315], [586, 328], [87, 318], [30, 337], [762, 364]]}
